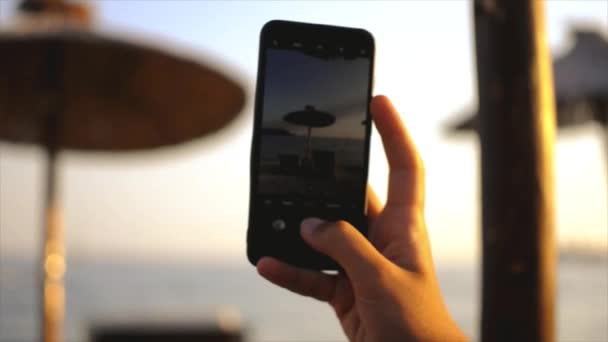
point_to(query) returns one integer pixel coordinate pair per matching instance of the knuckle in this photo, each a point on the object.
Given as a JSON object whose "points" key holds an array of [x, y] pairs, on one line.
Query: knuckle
{"points": [[389, 275], [380, 276], [343, 227], [416, 234], [415, 218], [336, 230]]}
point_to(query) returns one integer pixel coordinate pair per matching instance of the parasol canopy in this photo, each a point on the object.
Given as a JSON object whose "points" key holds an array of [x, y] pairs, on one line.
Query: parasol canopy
{"points": [[583, 71], [106, 93], [581, 84], [310, 117]]}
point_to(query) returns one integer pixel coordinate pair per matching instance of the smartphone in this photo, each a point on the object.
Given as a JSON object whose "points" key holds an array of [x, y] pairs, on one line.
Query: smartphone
{"points": [[311, 137]]}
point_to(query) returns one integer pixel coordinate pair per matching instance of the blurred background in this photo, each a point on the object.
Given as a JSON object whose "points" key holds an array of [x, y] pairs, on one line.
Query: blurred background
{"points": [[161, 235]]}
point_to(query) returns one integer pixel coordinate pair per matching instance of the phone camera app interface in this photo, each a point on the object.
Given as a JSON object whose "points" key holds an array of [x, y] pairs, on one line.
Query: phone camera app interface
{"points": [[312, 144]]}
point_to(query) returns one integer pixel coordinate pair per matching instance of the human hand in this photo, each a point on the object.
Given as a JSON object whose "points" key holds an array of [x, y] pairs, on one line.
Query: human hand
{"points": [[389, 291]]}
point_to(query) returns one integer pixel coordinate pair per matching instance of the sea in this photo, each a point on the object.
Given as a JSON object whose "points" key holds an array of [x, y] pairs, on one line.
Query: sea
{"points": [[156, 291]]}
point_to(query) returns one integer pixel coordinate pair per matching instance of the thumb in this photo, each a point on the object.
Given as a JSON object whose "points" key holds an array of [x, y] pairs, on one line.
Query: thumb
{"points": [[346, 245]]}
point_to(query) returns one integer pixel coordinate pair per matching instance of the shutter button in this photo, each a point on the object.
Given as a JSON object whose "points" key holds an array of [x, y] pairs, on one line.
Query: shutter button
{"points": [[278, 225]]}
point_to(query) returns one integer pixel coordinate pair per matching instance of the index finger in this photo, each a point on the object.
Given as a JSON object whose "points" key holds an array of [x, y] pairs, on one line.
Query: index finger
{"points": [[305, 282], [406, 170]]}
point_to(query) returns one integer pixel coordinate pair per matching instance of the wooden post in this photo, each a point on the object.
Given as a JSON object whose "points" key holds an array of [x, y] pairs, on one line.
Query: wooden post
{"points": [[517, 125], [53, 265]]}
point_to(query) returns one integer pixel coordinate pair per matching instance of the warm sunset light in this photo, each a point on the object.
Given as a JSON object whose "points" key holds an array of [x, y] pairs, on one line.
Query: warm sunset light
{"points": [[161, 232]]}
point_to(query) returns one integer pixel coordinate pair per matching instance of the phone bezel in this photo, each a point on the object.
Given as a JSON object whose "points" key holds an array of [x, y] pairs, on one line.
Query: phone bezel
{"points": [[309, 32]]}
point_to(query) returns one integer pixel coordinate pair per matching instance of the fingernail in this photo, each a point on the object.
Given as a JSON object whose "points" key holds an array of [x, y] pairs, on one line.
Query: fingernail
{"points": [[309, 225]]}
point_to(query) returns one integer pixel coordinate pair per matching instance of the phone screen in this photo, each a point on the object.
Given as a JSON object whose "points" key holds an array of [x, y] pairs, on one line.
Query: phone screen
{"points": [[314, 124], [311, 136]]}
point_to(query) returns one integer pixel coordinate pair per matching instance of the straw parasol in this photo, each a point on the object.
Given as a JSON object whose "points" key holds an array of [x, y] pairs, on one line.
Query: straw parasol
{"points": [[310, 118], [64, 86], [581, 85], [580, 80]]}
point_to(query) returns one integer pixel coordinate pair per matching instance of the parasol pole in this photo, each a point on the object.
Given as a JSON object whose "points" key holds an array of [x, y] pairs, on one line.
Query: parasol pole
{"points": [[52, 309], [307, 155], [53, 260]]}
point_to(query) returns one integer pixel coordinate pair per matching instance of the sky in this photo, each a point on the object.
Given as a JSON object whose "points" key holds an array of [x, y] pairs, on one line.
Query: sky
{"points": [[289, 89], [191, 201]]}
